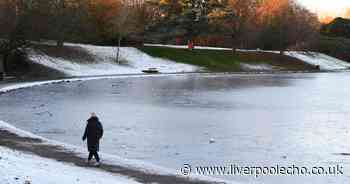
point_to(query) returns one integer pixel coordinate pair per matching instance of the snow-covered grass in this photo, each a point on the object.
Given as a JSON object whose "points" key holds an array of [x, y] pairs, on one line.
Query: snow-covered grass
{"points": [[18, 167], [324, 61], [111, 159], [135, 62]]}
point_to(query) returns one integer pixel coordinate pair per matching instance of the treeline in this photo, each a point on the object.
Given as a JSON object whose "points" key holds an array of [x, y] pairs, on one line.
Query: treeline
{"points": [[335, 39], [265, 24], [93, 21]]}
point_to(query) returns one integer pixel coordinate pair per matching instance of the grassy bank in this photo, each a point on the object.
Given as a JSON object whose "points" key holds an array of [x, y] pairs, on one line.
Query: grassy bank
{"points": [[226, 61]]}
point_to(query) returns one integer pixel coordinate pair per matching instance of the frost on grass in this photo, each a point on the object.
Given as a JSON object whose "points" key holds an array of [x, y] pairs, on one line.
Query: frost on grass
{"points": [[324, 61], [134, 61]]}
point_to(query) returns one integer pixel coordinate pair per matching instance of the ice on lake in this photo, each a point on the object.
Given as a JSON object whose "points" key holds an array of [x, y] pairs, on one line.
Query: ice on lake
{"points": [[250, 120]]}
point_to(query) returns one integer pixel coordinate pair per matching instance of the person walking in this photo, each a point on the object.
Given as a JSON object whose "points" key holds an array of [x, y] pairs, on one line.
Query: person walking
{"points": [[93, 133]]}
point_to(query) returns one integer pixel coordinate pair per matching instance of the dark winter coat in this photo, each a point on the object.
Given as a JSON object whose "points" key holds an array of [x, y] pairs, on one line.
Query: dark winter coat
{"points": [[93, 134]]}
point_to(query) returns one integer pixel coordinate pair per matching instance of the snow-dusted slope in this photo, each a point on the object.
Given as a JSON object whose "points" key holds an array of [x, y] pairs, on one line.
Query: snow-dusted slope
{"points": [[18, 167], [104, 56], [136, 61], [324, 61]]}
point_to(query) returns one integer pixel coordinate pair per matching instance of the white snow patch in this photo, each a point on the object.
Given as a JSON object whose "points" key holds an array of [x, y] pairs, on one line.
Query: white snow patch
{"points": [[258, 50], [256, 67], [17, 167], [105, 65], [324, 61], [185, 47], [314, 58]]}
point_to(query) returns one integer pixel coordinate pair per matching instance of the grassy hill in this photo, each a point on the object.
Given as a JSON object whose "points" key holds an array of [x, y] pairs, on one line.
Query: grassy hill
{"points": [[226, 61]]}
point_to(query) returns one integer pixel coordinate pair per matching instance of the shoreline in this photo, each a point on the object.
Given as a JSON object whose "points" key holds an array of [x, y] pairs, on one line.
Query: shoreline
{"points": [[26, 142], [14, 84]]}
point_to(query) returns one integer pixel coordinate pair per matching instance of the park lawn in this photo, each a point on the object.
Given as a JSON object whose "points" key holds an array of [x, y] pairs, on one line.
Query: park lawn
{"points": [[224, 60], [212, 60]]}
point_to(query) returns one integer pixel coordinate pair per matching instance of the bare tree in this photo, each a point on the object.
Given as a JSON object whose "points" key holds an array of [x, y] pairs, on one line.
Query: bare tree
{"points": [[13, 35], [66, 16], [125, 21], [286, 24], [239, 20]]}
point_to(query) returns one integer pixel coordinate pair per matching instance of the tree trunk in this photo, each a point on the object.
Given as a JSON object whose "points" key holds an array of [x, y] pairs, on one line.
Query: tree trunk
{"points": [[60, 37], [5, 64], [1, 69], [233, 45], [60, 43], [118, 50], [233, 50]]}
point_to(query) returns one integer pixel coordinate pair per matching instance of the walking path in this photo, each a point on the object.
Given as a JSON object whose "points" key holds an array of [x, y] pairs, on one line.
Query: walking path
{"points": [[41, 148]]}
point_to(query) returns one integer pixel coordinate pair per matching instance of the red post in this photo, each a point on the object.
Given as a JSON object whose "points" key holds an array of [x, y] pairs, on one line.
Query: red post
{"points": [[190, 45]]}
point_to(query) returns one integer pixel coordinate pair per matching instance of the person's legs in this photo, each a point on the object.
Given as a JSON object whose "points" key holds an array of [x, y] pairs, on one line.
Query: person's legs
{"points": [[90, 155], [97, 157]]}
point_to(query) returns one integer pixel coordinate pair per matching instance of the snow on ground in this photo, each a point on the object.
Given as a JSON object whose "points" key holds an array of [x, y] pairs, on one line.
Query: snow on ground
{"points": [[257, 67], [138, 61], [18, 167], [38, 168], [324, 61], [314, 58], [105, 65], [185, 47]]}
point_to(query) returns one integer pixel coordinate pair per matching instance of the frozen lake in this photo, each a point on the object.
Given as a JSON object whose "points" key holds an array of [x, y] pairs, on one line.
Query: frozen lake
{"points": [[255, 120]]}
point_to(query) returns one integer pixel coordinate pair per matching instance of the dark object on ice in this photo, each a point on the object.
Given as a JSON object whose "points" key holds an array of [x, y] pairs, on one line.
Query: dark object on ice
{"points": [[93, 133], [318, 67], [151, 70], [343, 154], [212, 141], [27, 181]]}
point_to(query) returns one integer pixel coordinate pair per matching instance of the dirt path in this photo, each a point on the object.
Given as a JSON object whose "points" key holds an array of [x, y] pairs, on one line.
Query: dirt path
{"points": [[40, 148]]}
